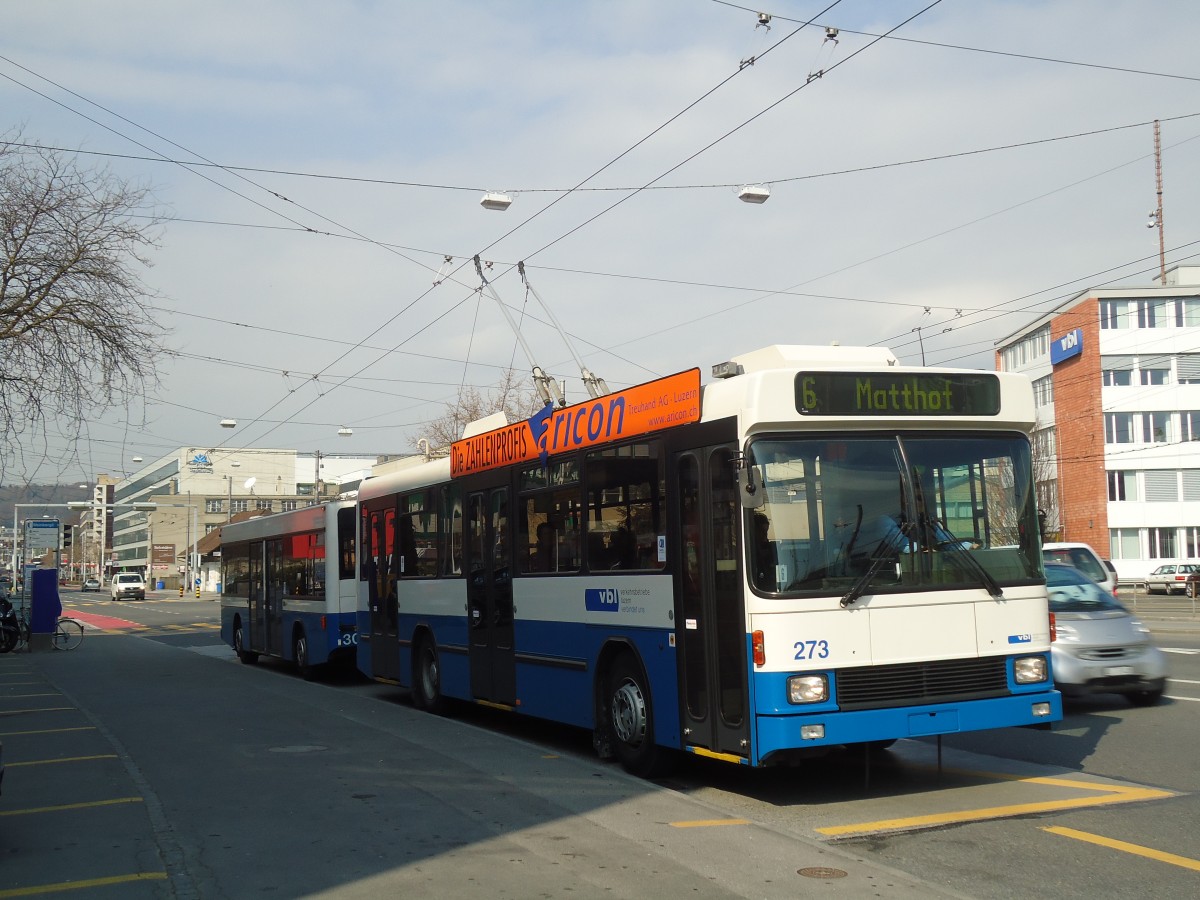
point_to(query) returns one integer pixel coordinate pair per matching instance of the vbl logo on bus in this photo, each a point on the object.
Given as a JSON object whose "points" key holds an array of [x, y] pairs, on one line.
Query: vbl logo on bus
{"points": [[601, 600]]}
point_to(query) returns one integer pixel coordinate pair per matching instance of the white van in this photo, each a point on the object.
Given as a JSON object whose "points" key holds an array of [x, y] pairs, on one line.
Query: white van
{"points": [[1086, 560]]}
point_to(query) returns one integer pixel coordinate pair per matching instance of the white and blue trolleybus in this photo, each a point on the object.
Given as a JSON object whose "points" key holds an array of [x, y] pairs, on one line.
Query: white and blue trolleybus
{"points": [[818, 547], [289, 585]]}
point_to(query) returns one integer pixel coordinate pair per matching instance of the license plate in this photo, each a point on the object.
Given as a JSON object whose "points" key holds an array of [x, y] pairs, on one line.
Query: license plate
{"points": [[1119, 670]]}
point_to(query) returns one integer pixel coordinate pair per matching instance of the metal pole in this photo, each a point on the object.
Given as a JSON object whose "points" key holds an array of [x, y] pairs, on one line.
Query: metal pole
{"points": [[1162, 252]]}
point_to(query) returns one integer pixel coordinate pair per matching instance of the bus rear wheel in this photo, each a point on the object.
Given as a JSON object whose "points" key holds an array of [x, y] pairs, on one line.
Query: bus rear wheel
{"points": [[427, 678], [300, 655], [239, 646], [631, 718]]}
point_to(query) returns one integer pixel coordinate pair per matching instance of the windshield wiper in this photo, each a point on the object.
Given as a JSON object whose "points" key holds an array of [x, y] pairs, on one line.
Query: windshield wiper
{"points": [[953, 543], [886, 550]]}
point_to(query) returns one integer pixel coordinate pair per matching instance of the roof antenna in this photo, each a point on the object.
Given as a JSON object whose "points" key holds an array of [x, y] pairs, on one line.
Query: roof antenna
{"points": [[595, 386], [546, 387]]}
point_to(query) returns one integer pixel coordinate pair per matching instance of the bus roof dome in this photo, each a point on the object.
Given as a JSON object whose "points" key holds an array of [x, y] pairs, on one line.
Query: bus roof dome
{"points": [[791, 356]]}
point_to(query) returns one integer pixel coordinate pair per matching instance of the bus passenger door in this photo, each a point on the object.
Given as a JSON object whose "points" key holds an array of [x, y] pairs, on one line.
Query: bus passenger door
{"points": [[256, 599], [273, 589], [712, 610], [382, 586], [490, 598]]}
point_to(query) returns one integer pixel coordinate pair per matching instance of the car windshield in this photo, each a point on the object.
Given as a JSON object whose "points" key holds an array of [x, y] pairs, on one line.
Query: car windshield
{"points": [[1072, 591], [905, 512]]}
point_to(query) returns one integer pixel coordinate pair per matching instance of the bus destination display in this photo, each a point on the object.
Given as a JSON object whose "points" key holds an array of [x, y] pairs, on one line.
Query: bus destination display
{"points": [[897, 394]]}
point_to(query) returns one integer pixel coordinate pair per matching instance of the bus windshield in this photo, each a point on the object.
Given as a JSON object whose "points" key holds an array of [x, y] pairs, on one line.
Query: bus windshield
{"points": [[886, 513]]}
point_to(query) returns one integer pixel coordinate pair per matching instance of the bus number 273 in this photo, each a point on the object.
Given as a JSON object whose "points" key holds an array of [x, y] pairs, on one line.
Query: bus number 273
{"points": [[811, 649]]}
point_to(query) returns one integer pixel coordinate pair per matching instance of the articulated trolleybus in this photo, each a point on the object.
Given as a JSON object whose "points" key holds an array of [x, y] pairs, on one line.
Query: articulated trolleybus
{"points": [[288, 585], [819, 547]]}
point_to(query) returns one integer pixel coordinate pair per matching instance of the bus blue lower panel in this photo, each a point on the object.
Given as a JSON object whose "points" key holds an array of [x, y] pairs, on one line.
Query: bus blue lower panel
{"points": [[330, 635], [777, 733], [555, 667]]}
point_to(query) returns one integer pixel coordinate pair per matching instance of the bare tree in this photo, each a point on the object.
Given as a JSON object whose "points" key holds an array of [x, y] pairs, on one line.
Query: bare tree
{"points": [[76, 336], [515, 399]]}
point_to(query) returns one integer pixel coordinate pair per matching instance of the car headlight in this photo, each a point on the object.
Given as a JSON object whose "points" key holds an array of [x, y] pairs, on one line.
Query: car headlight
{"points": [[1065, 632], [1029, 669], [807, 689]]}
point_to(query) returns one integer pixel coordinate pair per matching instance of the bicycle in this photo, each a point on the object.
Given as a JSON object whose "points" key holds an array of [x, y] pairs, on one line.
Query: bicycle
{"points": [[68, 634]]}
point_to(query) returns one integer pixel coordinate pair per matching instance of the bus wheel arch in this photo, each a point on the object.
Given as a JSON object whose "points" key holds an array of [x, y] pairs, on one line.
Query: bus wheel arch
{"points": [[625, 713], [427, 673], [239, 643]]}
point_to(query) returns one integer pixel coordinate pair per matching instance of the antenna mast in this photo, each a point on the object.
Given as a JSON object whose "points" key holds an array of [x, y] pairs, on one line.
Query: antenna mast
{"points": [[595, 386], [546, 387], [1158, 214]]}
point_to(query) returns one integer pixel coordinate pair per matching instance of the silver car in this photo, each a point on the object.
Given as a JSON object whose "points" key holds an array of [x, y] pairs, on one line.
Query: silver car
{"points": [[1100, 648]]}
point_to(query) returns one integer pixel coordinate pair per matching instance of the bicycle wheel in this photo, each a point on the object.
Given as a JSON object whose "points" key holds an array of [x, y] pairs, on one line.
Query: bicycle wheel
{"points": [[67, 634]]}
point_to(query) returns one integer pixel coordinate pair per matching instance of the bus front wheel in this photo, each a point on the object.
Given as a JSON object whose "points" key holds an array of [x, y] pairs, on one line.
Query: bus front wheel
{"points": [[427, 678], [631, 718], [239, 646]]}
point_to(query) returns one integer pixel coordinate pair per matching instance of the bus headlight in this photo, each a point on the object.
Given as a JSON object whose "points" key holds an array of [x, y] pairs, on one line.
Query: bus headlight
{"points": [[1029, 669], [807, 689]]}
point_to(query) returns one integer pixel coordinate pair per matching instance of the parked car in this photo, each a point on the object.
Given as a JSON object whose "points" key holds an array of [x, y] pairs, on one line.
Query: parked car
{"points": [[127, 584], [1169, 578], [91, 583], [1100, 647], [1085, 559]]}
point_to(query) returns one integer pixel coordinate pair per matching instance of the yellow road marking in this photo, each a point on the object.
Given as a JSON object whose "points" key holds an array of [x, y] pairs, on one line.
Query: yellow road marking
{"points": [[1135, 849], [78, 885], [66, 759], [1116, 794], [21, 712], [47, 731], [41, 809], [709, 823], [30, 696]]}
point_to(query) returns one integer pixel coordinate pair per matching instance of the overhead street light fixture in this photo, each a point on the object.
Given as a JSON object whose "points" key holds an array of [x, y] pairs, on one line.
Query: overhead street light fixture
{"points": [[754, 193], [345, 432], [229, 423], [496, 200]]}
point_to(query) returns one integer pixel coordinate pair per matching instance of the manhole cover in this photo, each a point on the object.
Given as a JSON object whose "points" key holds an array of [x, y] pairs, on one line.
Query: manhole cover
{"points": [[299, 748], [820, 872]]}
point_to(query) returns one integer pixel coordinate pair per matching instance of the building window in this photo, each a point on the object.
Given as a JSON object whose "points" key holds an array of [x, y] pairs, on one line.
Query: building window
{"points": [[1117, 377], [1123, 543], [214, 506], [1114, 314], [1152, 313], [1155, 376], [289, 505], [1191, 537], [1187, 312], [1162, 543], [1156, 427], [1162, 486], [1043, 391], [1188, 366], [264, 505], [1122, 486], [237, 506], [1118, 428]]}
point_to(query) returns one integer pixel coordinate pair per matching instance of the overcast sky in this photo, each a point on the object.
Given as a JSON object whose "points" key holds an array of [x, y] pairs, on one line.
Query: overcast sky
{"points": [[358, 139]]}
